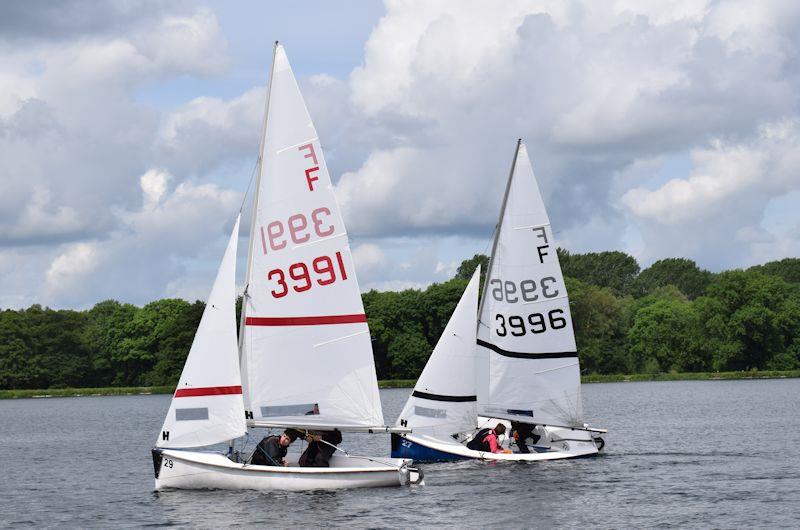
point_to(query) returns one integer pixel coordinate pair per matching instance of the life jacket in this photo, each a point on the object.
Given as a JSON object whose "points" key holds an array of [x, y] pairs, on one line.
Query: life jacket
{"points": [[478, 442], [261, 455]]}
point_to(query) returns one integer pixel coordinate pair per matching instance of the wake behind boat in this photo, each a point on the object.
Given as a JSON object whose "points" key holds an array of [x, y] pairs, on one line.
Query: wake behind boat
{"points": [[303, 358], [519, 365]]}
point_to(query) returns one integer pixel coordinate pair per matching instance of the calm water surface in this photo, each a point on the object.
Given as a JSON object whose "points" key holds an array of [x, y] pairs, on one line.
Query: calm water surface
{"points": [[717, 454]]}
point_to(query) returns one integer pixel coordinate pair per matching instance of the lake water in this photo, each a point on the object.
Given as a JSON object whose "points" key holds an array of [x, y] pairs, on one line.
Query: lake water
{"points": [[720, 454]]}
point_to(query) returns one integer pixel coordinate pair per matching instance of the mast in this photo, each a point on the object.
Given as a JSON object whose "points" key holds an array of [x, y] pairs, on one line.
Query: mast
{"points": [[255, 200], [255, 204], [497, 232]]}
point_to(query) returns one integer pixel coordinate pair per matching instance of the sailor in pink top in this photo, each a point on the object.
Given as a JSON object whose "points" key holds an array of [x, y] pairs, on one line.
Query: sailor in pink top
{"points": [[491, 439]]}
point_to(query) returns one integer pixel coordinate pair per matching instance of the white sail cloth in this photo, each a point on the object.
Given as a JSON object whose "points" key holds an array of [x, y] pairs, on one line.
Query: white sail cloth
{"points": [[207, 406], [528, 365], [306, 350], [443, 402]]}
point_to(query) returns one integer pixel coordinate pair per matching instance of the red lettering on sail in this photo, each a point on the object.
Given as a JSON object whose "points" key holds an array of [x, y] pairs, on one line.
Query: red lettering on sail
{"points": [[325, 270], [299, 229], [311, 154], [311, 179]]}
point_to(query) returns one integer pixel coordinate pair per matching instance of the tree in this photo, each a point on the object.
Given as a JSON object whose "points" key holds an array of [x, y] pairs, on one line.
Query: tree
{"points": [[681, 272], [748, 319], [666, 335], [615, 270], [18, 366], [439, 301], [395, 321], [600, 322], [468, 266], [105, 328], [172, 338], [788, 269]]}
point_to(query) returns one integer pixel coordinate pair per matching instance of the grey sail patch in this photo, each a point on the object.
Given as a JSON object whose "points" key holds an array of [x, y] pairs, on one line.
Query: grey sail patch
{"points": [[290, 410], [431, 413], [199, 413]]}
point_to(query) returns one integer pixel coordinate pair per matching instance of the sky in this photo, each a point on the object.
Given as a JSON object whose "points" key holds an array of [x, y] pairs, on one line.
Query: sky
{"points": [[129, 130]]}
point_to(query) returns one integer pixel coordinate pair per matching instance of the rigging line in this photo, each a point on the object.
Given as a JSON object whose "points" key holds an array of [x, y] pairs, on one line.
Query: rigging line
{"points": [[250, 182], [491, 239], [348, 455]]}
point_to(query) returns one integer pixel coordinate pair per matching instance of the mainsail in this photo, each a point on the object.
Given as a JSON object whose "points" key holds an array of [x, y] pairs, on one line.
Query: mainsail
{"points": [[306, 349], [443, 400], [207, 406], [527, 360]]}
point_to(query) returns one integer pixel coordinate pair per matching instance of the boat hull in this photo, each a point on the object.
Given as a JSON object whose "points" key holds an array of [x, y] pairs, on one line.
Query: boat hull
{"points": [[560, 444], [204, 470]]}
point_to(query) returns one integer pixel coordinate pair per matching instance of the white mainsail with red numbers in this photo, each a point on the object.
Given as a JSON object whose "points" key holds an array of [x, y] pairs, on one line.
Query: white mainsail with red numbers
{"points": [[207, 405], [306, 352], [527, 360]]}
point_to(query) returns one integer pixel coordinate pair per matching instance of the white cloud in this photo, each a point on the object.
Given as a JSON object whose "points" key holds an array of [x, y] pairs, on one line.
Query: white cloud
{"points": [[418, 138], [717, 211], [154, 185], [207, 131], [168, 246], [369, 258], [599, 92], [82, 214], [70, 270]]}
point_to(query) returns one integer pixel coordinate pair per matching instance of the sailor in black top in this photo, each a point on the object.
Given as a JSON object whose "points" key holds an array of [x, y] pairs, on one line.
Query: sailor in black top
{"points": [[271, 450]]}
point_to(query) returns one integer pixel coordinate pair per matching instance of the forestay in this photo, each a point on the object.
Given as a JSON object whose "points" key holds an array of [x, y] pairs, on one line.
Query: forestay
{"points": [[528, 365], [207, 407], [306, 350], [444, 399]]}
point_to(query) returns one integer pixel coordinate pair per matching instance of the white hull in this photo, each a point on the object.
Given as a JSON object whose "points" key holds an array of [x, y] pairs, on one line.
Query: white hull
{"points": [[557, 444], [206, 470]]}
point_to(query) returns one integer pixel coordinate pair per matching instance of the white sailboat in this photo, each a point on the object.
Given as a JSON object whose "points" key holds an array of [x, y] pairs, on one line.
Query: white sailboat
{"points": [[519, 363], [304, 355]]}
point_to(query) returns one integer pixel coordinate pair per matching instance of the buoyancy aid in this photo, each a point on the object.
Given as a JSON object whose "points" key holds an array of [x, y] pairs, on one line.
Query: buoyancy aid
{"points": [[478, 442]]}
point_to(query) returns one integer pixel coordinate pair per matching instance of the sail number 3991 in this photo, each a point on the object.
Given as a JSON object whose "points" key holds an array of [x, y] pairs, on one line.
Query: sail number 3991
{"points": [[536, 323], [325, 273]]}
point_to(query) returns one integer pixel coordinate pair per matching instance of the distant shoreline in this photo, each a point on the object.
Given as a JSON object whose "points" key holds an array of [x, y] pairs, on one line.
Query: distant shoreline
{"points": [[409, 383]]}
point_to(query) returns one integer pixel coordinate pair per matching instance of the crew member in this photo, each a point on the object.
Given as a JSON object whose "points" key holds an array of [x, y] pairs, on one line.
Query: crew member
{"points": [[271, 450]]}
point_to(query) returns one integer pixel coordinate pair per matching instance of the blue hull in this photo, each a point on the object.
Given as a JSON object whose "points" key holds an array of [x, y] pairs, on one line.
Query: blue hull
{"points": [[405, 448]]}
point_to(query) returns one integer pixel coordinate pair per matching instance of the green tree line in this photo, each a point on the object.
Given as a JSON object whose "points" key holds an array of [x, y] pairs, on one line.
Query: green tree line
{"points": [[672, 316]]}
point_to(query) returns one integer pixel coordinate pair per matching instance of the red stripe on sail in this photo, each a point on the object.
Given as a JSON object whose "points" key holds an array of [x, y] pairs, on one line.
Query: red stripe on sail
{"points": [[208, 391], [306, 321]]}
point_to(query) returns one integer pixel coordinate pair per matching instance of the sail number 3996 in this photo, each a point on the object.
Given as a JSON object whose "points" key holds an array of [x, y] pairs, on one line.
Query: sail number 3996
{"points": [[528, 290], [536, 323]]}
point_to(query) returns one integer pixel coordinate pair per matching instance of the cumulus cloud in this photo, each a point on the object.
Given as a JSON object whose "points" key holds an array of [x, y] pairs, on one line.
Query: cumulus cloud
{"points": [[78, 149], [418, 138], [716, 212], [70, 270], [599, 91], [153, 249], [206, 131]]}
